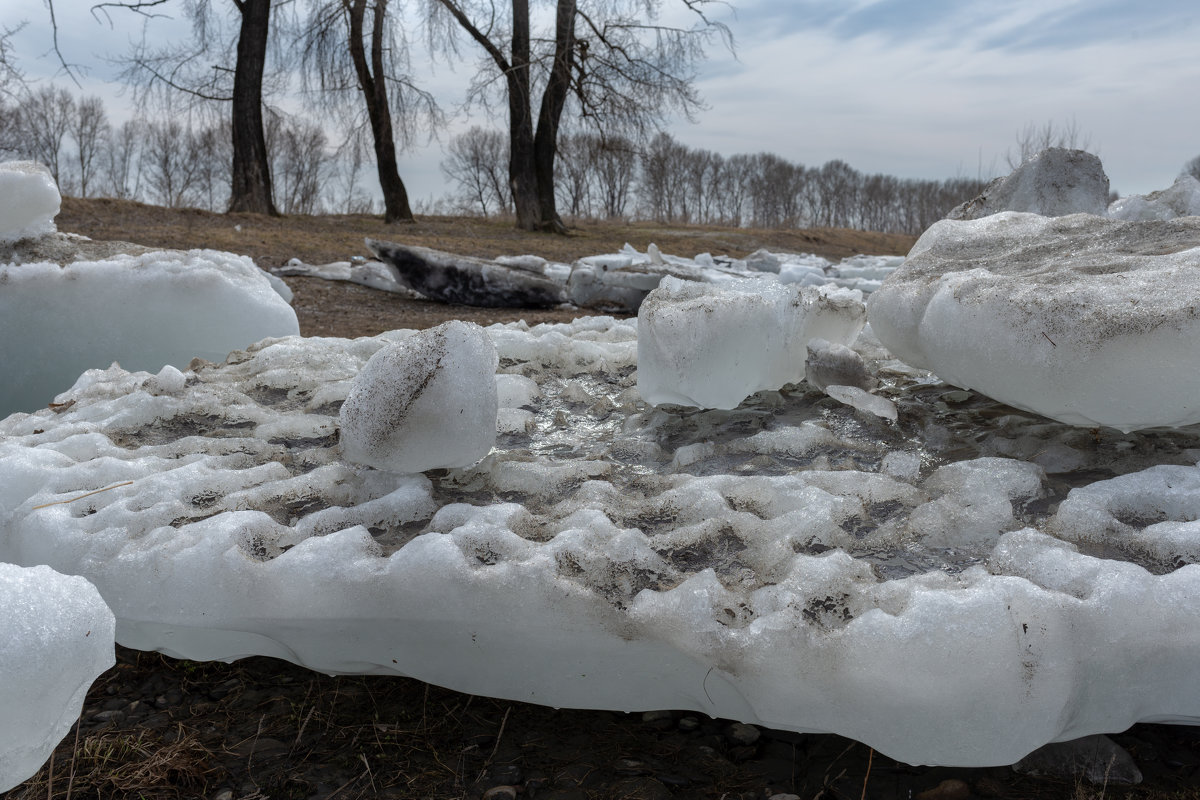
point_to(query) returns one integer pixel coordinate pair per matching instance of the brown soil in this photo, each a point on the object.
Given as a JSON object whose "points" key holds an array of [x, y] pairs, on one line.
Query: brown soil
{"points": [[153, 727]]}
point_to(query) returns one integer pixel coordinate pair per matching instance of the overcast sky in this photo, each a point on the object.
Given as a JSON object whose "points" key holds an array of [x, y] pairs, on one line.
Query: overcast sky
{"points": [[915, 88]]}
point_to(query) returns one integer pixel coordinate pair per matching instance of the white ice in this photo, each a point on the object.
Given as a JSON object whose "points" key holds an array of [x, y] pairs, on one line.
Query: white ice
{"points": [[1080, 318], [1181, 199], [712, 346], [29, 200], [424, 403], [144, 311], [56, 637], [791, 562]]}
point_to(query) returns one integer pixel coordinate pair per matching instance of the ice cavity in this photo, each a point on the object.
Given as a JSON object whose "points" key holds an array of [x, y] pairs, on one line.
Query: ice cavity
{"points": [[29, 200], [712, 346], [144, 311], [56, 637], [1082, 319], [427, 402]]}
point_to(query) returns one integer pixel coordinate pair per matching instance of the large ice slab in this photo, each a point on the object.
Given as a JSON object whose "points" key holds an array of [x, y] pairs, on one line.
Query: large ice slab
{"points": [[29, 200], [792, 562], [714, 345], [144, 311], [1055, 182], [56, 637], [1085, 320]]}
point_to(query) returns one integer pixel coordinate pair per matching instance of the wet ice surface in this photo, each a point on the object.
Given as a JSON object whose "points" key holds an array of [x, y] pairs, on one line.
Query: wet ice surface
{"points": [[793, 561]]}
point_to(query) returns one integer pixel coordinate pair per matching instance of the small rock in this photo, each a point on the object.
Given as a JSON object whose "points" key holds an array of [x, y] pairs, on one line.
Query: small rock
{"points": [[689, 724], [114, 716], [659, 720], [784, 796], [951, 789], [505, 774], [742, 734], [224, 794], [501, 793], [1096, 759]]}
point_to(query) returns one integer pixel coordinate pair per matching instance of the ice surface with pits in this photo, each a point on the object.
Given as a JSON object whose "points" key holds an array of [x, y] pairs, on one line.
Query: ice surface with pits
{"points": [[56, 637], [792, 562], [1083, 319], [1181, 199], [29, 200], [144, 311], [713, 345]]}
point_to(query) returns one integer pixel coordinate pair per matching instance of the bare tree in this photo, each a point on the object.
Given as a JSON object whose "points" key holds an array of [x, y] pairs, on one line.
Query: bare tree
{"points": [[347, 51], [89, 129], [12, 80], [44, 119], [476, 162], [609, 57], [615, 160], [299, 162], [169, 163], [200, 70], [123, 160], [1033, 139]]}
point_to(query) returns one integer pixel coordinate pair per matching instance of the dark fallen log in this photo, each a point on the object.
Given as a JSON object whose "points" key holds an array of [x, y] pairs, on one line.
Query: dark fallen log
{"points": [[468, 281]]}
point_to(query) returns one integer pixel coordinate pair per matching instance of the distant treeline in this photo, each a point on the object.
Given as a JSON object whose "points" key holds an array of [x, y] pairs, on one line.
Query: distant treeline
{"points": [[181, 164]]}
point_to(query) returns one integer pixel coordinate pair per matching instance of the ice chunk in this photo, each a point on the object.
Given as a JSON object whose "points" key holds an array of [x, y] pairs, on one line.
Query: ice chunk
{"points": [[144, 311], [1083, 319], [29, 200], [829, 363], [425, 403], [1182, 199], [712, 346], [56, 637], [1053, 183], [863, 401]]}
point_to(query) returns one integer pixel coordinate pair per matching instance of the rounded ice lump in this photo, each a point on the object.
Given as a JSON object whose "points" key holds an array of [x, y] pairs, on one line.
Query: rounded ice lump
{"points": [[1085, 320], [713, 345], [56, 637], [29, 200], [427, 402]]}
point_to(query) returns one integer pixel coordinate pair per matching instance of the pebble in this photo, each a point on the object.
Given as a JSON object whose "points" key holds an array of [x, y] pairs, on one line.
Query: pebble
{"points": [[224, 794], [784, 796], [501, 793], [505, 774], [660, 720], [742, 734], [689, 724], [115, 716]]}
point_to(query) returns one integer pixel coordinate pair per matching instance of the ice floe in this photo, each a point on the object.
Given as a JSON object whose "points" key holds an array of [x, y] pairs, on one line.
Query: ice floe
{"points": [[56, 637], [1083, 319], [790, 562]]}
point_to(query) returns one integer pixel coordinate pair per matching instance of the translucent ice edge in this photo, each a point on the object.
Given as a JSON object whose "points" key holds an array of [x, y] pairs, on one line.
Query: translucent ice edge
{"points": [[793, 562]]}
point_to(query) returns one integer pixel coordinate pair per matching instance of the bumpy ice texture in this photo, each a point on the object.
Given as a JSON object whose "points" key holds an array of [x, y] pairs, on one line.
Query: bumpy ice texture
{"points": [[792, 562], [424, 403], [1085, 320], [29, 200], [1054, 183], [143, 311], [56, 637], [714, 345]]}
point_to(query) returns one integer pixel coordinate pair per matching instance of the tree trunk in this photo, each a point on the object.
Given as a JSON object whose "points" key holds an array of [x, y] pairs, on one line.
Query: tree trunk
{"points": [[250, 189], [522, 173], [379, 112], [554, 98]]}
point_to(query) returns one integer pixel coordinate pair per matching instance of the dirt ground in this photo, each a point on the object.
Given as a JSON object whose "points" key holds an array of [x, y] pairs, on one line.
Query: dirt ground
{"points": [[154, 727]]}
